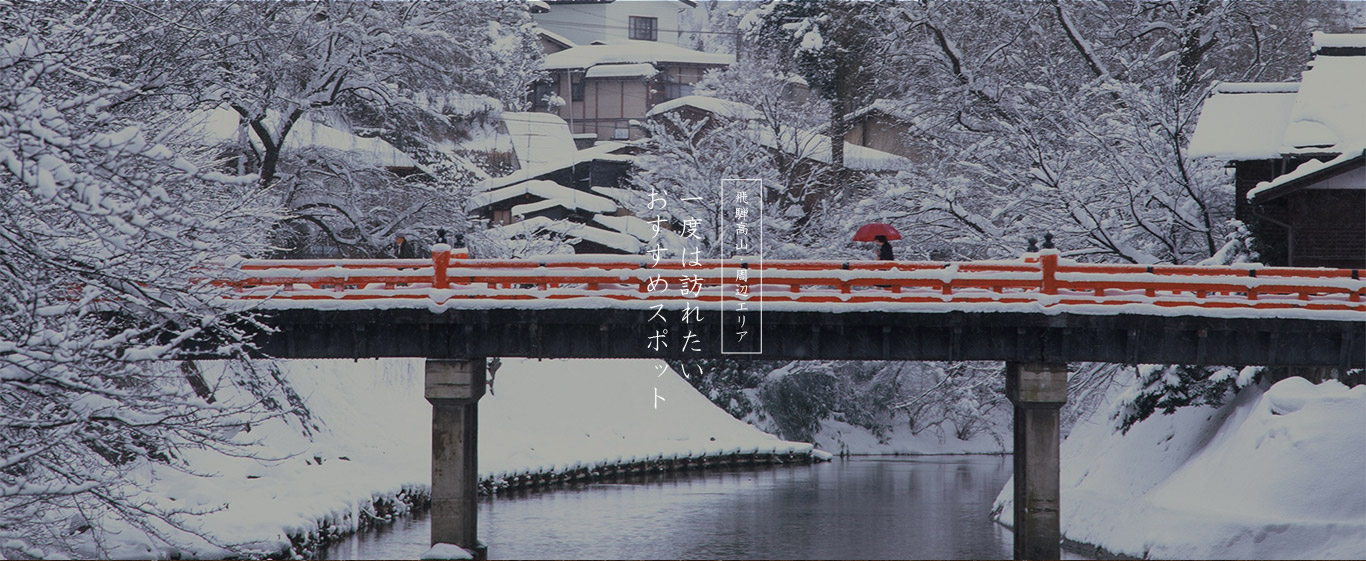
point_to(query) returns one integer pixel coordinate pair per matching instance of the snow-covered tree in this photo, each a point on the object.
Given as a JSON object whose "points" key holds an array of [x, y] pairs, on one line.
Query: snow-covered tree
{"points": [[106, 240], [1056, 116], [407, 73], [830, 43]]}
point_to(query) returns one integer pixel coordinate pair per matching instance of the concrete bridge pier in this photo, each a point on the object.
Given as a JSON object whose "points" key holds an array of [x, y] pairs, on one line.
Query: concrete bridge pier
{"points": [[454, 387], [1038, 392]]}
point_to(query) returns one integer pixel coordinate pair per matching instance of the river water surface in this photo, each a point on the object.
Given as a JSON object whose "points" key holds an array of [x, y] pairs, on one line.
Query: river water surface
{"points": [[861, 508]]}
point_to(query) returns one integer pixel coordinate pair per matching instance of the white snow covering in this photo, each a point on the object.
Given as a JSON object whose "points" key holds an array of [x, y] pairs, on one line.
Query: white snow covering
{"points": [[1326, 113], [1321, 294], [1273, 474], [640, 70], [540, 139], [714, 105], [568, 156], [1255, 87], [447, 551], [1330, 108], [628, 198], [221, 125], [841, 437], [548, 190], [1349, 40], [889, 107], [533, 208], [798, 142], [557, 414], [644, 231], [1304, 169], [548, 33], [1243, 121], [630, 52], [374, 440], [531, 226]]}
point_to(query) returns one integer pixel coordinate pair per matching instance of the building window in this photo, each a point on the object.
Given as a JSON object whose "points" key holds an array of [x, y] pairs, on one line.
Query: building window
{"points": [[502, 217], [576, 89], [645, 29], [540, 95], [674, 90]]}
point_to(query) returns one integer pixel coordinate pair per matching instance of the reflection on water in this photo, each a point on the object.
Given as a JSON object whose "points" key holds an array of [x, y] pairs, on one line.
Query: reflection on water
{"points": [[861, 508]]}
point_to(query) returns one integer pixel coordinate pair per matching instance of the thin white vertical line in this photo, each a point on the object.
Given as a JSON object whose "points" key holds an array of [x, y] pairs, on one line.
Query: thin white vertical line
{"points": [[723, 265], [760, 196]]}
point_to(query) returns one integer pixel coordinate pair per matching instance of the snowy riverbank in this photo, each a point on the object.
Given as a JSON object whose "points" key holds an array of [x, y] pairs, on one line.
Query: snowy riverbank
{"points": [[1274, 473], [371, 444], [839, 437]]}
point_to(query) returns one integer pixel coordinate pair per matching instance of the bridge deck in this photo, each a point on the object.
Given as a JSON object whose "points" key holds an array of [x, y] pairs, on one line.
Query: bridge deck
{"points": [[1039, 308], [1043, 284]]}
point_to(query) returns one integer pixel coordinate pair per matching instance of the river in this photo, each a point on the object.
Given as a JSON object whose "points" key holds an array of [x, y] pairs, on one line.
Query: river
{"points": [[859, 508]]}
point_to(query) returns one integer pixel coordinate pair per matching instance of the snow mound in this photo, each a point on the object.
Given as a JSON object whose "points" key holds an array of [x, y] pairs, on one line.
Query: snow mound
{"points": [[369, 443], [1272, 474], [854, 440], [447, 551], [554, 415]]}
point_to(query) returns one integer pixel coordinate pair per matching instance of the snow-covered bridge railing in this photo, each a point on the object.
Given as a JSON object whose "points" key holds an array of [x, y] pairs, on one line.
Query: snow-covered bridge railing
{"points": [[1036, 280]]}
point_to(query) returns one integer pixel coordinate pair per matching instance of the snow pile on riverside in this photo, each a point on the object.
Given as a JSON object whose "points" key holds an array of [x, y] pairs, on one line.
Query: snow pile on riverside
{"points": [[841, 437], [1278, 473], [554, 415], [371, 440]]}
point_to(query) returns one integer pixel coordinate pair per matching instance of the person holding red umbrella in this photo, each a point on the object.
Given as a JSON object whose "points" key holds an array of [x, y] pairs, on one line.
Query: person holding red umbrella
{"points": [[880, 233], [884, 249]]}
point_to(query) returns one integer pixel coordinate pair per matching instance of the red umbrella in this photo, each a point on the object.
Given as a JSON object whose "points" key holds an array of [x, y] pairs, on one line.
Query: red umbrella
{"points": [[870, 232]]}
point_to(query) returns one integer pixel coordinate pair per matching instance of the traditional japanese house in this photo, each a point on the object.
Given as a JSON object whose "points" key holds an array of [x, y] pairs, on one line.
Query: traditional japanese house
{"points": [[1296, 151]]}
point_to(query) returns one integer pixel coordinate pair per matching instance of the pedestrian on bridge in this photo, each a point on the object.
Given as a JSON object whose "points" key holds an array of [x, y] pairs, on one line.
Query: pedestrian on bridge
{"points": [[884, 249], [403, 249], [880, 233]]}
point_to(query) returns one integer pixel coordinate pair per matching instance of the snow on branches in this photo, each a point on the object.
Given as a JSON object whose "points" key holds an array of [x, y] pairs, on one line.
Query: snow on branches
{"points": [[104, 234]]}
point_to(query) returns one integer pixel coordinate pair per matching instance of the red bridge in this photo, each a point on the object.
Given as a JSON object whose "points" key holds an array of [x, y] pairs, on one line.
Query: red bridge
{"points": [[1039, 281], [1036, 313]]}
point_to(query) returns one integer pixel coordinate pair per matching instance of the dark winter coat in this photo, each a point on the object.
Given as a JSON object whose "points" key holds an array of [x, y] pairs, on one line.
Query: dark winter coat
{"points": [[884, 253], [405, 250]]}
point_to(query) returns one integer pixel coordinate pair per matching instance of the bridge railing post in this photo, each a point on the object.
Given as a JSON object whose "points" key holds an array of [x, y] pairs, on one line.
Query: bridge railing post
{"points": [[441, 260], [1048, 262]]}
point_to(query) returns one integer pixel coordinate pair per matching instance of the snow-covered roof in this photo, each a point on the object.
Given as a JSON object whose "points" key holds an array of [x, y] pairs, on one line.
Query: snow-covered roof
{"points": [[816, 146], [1239, 122], [628, 198], [532, 208], [1330, 108], [1312, 171], [799, 142], [637, 70], [1338, 41], [555, 37], [220, 126], [1326, 113], [631, 52], [603, 150], [643, 230], [548, 190], [1256, 87], [714, 105], [614, 240], [539, 139], [887, 107]]}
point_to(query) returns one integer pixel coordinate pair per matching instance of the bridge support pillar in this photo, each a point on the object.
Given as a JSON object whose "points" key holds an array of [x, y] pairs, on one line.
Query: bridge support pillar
{"points": [[454, 387], [1038, 392]]}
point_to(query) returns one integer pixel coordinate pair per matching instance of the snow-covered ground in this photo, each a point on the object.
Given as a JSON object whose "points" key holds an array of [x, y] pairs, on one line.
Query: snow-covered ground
{"points": [[372, 440], [1274, 473], [840, 437]]}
